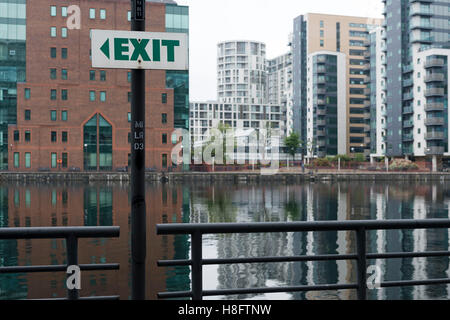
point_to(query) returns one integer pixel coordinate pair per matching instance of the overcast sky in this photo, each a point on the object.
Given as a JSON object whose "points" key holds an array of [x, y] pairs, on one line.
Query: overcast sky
{"points": [[268, 21]]}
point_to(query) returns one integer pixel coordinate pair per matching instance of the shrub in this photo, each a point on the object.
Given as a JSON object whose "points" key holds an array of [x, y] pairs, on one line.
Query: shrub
{"points": [[322, 163], [403, 165]]}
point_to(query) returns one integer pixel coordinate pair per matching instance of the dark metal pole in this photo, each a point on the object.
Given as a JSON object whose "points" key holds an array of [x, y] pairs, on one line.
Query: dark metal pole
{"points": [[72, 260], [138, 209], [362, 268], [197, 268]]}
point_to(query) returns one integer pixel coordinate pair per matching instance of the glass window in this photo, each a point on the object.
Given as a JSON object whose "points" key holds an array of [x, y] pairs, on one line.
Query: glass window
{"points": [[64, 53], [92, 13], [105, 144], [129, 15], [102, 96], [102, 75], [53, 11], [92, 75], [27, 160], [90, 144], [129, 116], [129, 76], [64, 74], [64, 32], [53, 115], [53, 94], [164, 138], [27, 135], [64, 94], [64, 11], [52, 52], [27, 114], [53, 74], [164, 118], [54, 160], [64, 115], [52, 32], [92, 95], [65, 160], [53, 136], [27, 93], [103, 14], [64, 136], [16, 135], [164, 98], [16, 160], [164, 160]]}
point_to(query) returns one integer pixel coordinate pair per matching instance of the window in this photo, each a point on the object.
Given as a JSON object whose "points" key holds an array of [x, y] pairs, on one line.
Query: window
{"points": [[64, 32], [65, 160], [53, 136], [92, 13], [53, 32], [91, 95], [129, 97], [54, 161], [103, 14], [129, 116], [53, 74], [27, 93], [102, 96], [321, 24], [27, 114], [129, 76], [64, 94], [53, 115], [102, 75], [92, 75], [52, 52], [164, 160], [16, 160], [27, 160], [64, 11], [16, 135], [53, 11], [64, 115], [129, 15], [164, 118], [164, 98], [64, 74], [64, 136], [322, 43], [64, 53], [53, 94], [27, 135], [164, 138]]}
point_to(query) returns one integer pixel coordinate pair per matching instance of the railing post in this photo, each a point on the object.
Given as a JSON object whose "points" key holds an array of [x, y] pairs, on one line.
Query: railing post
{"points": [[361, 269], [197, 267], [72, 260]]}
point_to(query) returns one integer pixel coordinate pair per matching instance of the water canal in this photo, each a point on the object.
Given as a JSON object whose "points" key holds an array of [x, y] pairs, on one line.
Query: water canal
{"points": [[101, 204]]}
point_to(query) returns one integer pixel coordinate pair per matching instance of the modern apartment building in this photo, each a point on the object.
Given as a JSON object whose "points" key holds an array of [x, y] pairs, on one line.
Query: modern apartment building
{"points": [[417, 35], [327, 112], [12, 67], [73, 117], [241, 72], [343, 34]]}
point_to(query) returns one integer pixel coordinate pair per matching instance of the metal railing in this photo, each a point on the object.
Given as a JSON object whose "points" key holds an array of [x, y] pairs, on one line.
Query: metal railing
{"points": [[361, 256], [71, 235]]}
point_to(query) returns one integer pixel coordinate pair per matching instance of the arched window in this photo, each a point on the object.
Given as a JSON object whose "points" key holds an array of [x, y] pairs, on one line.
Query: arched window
{"points": [[97, 133]]}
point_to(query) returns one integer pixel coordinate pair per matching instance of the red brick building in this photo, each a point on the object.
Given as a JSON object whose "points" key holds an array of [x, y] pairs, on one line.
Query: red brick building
{"points": [[71, 116]]}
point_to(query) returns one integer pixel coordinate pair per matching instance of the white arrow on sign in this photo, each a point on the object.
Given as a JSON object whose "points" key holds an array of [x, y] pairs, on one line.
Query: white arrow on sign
{"points": [[139, 50]]}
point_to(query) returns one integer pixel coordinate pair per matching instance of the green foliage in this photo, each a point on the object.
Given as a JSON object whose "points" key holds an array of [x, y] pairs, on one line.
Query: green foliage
{"points": [[402, 165], [322, 163], [359, 157], [292, 143]]}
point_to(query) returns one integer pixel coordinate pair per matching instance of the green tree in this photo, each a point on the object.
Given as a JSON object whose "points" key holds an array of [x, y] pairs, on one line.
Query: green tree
{"points": [[292, 143]]}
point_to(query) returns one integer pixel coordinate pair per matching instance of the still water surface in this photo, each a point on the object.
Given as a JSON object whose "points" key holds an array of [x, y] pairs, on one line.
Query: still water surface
{"points": [[34, 205]]}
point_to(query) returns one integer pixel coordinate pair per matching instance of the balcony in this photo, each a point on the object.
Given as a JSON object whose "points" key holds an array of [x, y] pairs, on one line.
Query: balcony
{"points": [[408, 96], [408, 138], [430, 63], [321, 102], [321, 123], [321, 112], [366, 79], [434, 150], [321, 143], [429, 107], [321, 91], [366, 67], [321, 133], [408, 124], [434, 92], [434, 77], [367, 91], [408, 110], [434, 121], [367, 140], [367, 116], [434, 136]]}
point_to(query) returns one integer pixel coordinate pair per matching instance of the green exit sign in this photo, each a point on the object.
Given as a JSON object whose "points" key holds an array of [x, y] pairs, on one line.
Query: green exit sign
{"points": [[139, 50]]}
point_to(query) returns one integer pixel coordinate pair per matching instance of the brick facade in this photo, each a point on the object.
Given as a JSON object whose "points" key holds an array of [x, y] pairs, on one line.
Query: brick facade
{"points": [[79, 108]]}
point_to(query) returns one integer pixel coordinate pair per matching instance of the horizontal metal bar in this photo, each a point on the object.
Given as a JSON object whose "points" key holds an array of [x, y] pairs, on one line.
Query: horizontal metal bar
{"points": [[226, 228], [324, 287], [395, 255], [409, 283], [83, 298], [59, 232], [58, 268], [174, 294], [333, 257]]}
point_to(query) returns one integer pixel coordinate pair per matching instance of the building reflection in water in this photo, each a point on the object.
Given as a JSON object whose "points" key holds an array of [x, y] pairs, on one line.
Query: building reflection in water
{"points": [[26, 205]]}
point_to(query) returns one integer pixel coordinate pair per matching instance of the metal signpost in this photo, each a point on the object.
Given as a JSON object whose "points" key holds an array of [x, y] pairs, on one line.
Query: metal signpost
{"points": [[139, 51]]}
